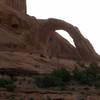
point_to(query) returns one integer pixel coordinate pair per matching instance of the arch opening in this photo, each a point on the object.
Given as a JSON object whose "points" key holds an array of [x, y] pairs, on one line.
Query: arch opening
{"points": [[66, 36]]}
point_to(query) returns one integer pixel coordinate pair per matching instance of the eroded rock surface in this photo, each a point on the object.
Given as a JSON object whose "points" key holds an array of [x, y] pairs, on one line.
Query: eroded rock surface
{"points": [[32, 46], [22, 33]]}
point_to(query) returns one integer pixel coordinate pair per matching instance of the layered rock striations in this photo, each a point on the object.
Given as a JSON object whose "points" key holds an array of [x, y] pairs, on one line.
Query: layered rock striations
{"points": [[31, 46], [83, 46], [22, 33], [19, 5]]}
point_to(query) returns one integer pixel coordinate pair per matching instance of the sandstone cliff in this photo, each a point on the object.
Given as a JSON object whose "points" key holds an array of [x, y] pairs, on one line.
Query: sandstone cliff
{"points": [[23, 33], [31, 46]]}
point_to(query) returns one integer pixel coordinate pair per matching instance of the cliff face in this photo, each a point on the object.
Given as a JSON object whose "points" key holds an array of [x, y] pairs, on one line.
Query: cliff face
{"points": [[25, 37], [32, 46], [22, 33], [19, 5]]}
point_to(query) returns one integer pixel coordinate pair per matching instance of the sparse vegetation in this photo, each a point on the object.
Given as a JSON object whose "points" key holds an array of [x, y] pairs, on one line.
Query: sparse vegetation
{"points": [[48, 98], [31, 98], [97, 84], [62, 73], [60, 77], [42, 98], [89, 76], [12, 97], [57, 78], [8, 84]]}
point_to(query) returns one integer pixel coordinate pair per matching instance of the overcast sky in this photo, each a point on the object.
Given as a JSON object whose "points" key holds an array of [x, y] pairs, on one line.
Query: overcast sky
{"points": [[84, 14]]}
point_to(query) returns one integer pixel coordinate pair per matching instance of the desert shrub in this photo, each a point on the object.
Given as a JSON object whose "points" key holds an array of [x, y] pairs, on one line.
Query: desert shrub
{"points": [[84, 78], [4, 83], [93, 73], [21, 98], [10, 87], [57, 78], [43, 98], [48, 98], [12, 97], [97, 84], [88, 76], [31, 98], [8, 84], [93, 69], [45, 81], [62, 73], [80, 76]]}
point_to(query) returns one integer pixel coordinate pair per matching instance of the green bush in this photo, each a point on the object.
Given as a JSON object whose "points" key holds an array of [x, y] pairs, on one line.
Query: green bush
{"points": [[60, 77], [4, 83], [42, 98], [8, 84], [93, 69], [46, 81], [97, 84], [88, 76], [32, 98], [48, 98], [57, 78], [12, 97], [62, 73], [80, 76], [10, 87]]}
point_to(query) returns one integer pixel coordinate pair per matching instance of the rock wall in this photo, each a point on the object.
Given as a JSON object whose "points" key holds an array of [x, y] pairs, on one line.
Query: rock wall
{"points": [[29, 34], [24, 33], [33, 45], [19, 5]]}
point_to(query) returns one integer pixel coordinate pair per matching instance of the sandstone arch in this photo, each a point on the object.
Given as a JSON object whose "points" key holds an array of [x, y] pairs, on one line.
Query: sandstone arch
{"points": [[37, 32], [83, 46]]}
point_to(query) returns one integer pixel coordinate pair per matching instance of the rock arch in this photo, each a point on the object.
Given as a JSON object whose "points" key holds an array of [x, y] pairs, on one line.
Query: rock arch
{"points": [[83, 46]]}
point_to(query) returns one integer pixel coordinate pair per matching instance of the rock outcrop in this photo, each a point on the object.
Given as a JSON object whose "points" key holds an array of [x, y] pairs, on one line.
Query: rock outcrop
{"points": [[30, 46], [83, 46], [19, 5], [22, 33]]}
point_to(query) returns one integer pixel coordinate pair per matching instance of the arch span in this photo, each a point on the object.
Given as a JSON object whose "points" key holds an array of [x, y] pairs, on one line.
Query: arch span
{"points": [[83, 46]]}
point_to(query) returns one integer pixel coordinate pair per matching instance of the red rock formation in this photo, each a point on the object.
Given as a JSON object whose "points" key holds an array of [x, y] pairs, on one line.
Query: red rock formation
{"points": [[28, 34], [19, 5], [26, 43], [83, 46]]}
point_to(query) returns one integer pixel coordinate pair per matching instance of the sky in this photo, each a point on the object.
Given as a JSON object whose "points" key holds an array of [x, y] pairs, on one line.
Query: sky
{"points": [[85, 14]]}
